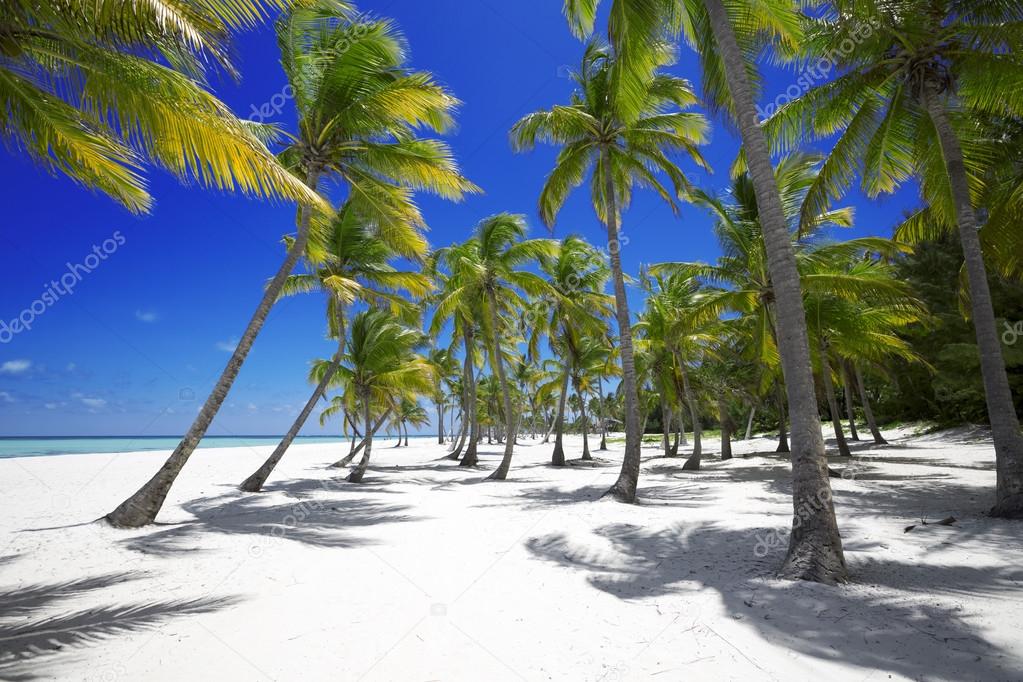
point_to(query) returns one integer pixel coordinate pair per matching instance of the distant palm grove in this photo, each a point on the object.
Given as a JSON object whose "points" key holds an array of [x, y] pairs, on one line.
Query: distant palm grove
{"points": [[524, 332]]}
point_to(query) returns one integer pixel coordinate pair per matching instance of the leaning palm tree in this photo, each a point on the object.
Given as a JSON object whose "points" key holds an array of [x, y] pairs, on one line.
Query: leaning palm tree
{"points": [[351, 264], [485, 276], [622, 139], [381, 370], [907, 104], [358, 109], [97, 91]]}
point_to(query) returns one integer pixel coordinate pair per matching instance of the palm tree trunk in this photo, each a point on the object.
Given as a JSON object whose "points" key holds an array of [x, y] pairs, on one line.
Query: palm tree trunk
{"points": [[470, 458], [142, 507], [459, 442], [558, 456], [850, 406], [829, 392], [358, 472], [867, 412], [815, 547], [601, 415], [666, 421], [582, 415], [693, 463], [624, 489], [501, 473], [677, 433], [440, 422], [726, 428], [749, 422], [682, 438], [783, 434], [254, 483], [347, 459], [1005, 429]]}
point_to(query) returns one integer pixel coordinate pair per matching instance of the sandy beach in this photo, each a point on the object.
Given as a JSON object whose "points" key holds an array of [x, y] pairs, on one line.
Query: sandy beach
{"points": [[424, 572]]}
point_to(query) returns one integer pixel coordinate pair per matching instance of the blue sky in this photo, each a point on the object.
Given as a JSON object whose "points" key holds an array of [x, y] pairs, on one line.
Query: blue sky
{"points": [[158, 301]]}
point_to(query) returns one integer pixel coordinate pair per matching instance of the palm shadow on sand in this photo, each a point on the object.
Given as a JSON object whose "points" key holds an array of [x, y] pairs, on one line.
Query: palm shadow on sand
{"points": [[31, 644], [851, 624]]}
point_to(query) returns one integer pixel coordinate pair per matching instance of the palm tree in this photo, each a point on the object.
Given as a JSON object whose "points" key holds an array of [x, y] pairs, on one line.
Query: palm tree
{"points": [[446, 370], [484, 276], [409, 412], [906, 105], [358, 108], [97, 91], [351, 264], [622, 139], [381, 371], [575, 310]]}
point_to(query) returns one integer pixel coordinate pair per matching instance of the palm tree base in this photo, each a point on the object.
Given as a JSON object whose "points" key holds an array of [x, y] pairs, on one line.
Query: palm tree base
{"points": [[1010, 508], [621, 492], [252, 484], [813, 559], [692, 464]]}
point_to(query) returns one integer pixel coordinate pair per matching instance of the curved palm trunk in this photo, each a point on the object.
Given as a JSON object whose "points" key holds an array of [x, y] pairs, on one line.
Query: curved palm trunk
{"points": [[254, 483], [1005, 429], [624, 489], [749, 423], [358, 472], [815, 547], [347, 459], [726, 429], [501, 473], [693, 463], [867, 412], [850, 406], [829, 392], [582, 415], [458, 443], [682, 438], [558, 456], [142, 507], [470, 458], [406, 435]]}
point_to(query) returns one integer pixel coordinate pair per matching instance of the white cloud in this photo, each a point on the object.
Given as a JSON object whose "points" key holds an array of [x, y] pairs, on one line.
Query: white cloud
{"points": [[15, 367], [6, 397], [94, 403], [50, 406], [227, 346], [252, 407], [147, 316]]}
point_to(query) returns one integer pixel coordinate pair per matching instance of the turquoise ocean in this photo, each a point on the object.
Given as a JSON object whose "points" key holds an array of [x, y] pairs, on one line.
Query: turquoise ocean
{"points": [[78, 445]]}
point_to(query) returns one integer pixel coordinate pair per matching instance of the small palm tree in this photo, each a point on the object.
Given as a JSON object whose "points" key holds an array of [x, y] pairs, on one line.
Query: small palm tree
{"points": [[381, 369], [485, 276], [575, 309], [622, 138], [351, 264]]}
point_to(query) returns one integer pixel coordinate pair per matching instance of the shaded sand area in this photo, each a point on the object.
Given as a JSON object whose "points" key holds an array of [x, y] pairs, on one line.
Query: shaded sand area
{"points": [[425, 572]]}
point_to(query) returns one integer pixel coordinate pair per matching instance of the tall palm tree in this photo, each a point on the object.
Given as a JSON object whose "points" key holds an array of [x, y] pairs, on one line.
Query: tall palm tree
{"points": [[350, 264], [621, 139], [485, 274], [907, 104], [97, 91], [382, 369], [446, 370], [358, 109]]}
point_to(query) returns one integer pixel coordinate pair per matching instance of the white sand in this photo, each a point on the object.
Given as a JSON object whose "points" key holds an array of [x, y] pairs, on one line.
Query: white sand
{"points": [[426, 573]]}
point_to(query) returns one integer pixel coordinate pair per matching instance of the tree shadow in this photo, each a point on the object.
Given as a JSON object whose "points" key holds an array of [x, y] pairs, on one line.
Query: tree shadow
{"points": [[317, 521], [856, 625], [28, 646]]}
